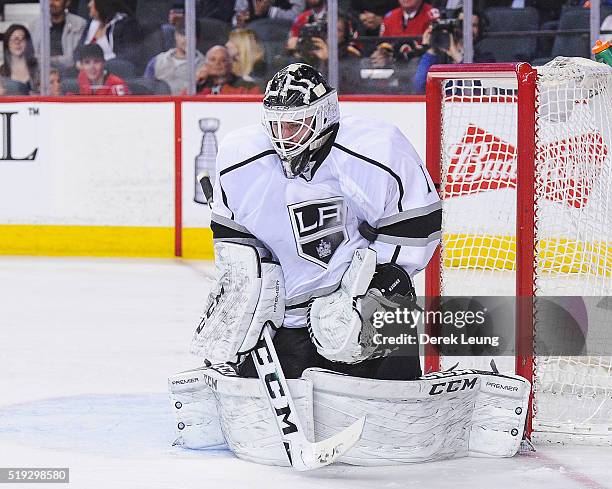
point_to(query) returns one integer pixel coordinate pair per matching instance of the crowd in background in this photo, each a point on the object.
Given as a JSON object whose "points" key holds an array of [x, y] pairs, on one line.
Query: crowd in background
{"points": [[119, 47]]}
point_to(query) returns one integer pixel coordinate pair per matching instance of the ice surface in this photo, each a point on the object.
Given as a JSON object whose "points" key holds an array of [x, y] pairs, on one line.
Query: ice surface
{"points": [[85, 349]]}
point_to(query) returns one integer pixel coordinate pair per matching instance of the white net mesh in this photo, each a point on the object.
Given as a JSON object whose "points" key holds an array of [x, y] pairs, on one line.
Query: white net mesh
{"points": [[574, 238], [573, 199]]}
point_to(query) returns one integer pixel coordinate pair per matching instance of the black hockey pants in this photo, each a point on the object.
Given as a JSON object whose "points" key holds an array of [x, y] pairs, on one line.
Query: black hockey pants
{"points": [[296, 353]]}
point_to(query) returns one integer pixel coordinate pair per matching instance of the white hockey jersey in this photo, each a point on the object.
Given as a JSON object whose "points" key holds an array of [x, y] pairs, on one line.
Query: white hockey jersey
{"points": [[367, 176]]}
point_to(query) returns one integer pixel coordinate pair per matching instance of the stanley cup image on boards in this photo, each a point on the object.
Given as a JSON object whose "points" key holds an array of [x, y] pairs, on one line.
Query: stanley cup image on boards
{"points": [[205, 161]]}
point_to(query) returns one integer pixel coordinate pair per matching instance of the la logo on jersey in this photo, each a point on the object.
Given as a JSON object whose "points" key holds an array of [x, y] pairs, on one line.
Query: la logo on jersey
{"points": [[319, 228]]}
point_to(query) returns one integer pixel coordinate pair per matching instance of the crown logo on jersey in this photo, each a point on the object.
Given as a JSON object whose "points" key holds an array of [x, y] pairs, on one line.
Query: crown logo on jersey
{"points": [[324, 248]]}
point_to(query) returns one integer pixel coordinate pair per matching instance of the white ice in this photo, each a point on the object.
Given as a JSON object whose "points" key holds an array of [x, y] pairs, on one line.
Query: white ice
{"points": [[85, 349]]}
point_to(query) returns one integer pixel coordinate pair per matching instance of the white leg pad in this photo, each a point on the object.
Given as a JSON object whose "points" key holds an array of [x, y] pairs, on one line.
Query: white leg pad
{"points": [[195, 408], [247, 422], [234, 410], [439, 416]]}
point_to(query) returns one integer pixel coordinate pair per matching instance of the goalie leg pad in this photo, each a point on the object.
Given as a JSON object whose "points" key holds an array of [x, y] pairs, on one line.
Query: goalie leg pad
{"points": [[195, 409], [246, 419], [236, 411], [247, 294], [439, 416]]}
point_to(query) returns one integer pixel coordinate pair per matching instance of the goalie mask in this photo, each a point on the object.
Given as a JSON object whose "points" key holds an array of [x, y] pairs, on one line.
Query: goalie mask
{"points": [[299, 107]]}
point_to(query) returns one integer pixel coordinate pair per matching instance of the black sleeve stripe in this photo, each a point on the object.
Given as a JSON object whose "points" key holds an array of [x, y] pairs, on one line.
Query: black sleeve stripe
{"points": [[224, 232], [415, 227], [230, 223], [382, 167]]}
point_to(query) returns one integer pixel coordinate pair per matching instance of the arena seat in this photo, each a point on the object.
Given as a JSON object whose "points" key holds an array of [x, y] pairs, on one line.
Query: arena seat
{"points": [[510, 19]]}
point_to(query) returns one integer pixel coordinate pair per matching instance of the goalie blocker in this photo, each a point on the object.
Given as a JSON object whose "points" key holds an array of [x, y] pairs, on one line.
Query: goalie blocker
{"points": [[438, 416]]}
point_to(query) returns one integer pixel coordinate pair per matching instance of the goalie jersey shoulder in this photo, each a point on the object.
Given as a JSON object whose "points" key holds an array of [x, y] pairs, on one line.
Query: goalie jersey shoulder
{"points": [[374, 161], [375, 140], [244, 144]]}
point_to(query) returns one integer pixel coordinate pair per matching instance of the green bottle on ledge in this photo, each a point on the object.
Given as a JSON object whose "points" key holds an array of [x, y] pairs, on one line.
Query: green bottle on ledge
{"points": [[603, 52]]}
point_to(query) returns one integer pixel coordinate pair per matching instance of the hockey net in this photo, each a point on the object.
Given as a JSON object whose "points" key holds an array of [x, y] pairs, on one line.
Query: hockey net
{"points": [[524, 156]]}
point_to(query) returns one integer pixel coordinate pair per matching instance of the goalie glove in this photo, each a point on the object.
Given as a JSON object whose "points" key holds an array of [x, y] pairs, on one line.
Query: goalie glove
{"points": [[248, 293], [342, 323]]}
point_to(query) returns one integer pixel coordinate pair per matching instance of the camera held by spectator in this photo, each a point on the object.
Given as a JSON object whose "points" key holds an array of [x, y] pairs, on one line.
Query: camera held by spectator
{"points": [[444, 43], [309, 39], [444, 34], [311, 45]]}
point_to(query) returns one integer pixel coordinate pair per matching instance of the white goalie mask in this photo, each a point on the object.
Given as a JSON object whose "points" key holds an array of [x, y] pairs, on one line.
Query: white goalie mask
{"points": [[299, 106]]}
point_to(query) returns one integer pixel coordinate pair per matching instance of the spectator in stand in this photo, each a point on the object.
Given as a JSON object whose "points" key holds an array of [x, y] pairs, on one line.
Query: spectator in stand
{"points": [[368, 15], [93, 78], [114, 29], [20, 63], [316, 12], [66, 31], [315, 52], [248, 10], [385, 72], [410, 19], [246, 52], [448, 52], [55, 83], [171, 66], [215, 75], [383, 56]]}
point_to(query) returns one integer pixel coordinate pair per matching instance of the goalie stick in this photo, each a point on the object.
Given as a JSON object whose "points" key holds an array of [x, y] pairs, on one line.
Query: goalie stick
{"points": [[204, 179], [302, 454]]}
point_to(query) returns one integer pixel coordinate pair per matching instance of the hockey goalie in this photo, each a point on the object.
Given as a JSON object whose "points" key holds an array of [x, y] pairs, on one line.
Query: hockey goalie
{"points": [[320, 223]]}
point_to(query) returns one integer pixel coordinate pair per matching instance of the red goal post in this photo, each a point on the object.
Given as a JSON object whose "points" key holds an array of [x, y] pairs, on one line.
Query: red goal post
{"points": [[525, 99]]}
